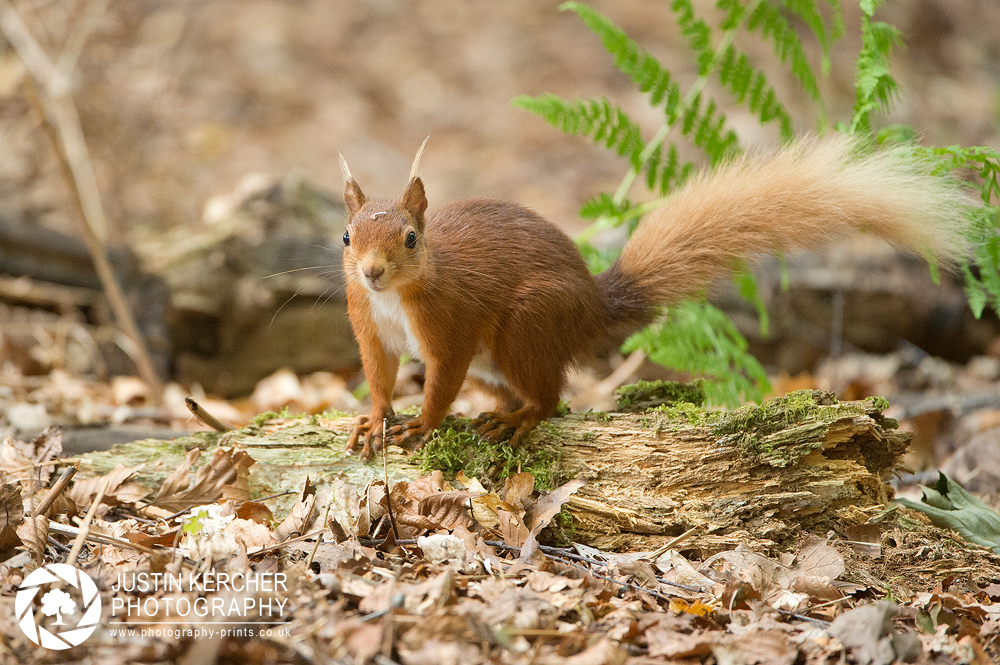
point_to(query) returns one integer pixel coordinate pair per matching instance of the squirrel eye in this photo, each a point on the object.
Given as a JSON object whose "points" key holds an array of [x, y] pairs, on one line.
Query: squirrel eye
{"points": [[347, 239], [411, 240]]}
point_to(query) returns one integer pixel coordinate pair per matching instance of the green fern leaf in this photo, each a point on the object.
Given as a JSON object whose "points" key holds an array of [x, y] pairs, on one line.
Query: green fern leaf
{"points": [[603, 205], [598, 119], [644, 69], [696, 31], [696, 337], [787, 46], [874, 85], [751, 86]]}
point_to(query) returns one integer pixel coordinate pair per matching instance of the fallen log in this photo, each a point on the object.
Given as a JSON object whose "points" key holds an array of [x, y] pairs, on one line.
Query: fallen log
{"points": [[757, 475]]}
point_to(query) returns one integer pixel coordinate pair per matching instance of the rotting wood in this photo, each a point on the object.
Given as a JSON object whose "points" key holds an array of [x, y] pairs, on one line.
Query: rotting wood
{"points": [[650, 476]]}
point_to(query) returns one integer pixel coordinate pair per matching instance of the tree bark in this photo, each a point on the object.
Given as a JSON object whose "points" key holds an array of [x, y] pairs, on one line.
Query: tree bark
{"points": [[756, 476]]}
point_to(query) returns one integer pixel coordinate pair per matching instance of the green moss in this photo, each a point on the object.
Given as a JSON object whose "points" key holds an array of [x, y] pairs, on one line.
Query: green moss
{"points": [[685, 414], [262, 418], [456, 447], [879, 403], [755, 428], [647, 394]]}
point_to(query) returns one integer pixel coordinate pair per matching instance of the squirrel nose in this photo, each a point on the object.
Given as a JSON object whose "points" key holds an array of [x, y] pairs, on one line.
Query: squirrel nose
{"points": [[374, 273]]}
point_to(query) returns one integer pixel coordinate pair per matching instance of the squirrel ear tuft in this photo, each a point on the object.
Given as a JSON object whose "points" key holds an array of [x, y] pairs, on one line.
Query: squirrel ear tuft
{"points": [[414, 199], [343, 167], [415, 169], [354, 198]]}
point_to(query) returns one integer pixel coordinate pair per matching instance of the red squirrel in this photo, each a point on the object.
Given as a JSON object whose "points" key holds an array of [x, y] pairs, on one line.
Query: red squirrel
{"points": [[491, 291]]}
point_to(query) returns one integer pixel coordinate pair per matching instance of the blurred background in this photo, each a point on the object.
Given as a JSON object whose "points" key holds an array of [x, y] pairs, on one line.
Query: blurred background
{"points": [[212, 129]]}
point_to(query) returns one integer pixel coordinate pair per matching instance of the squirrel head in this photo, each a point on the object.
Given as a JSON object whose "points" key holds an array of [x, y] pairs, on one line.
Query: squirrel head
{"points": [[384, 245]]}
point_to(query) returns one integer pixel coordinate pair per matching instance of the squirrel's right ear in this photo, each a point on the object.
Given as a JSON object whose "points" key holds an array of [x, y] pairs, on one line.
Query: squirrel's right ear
{"points": [[354, 198]]}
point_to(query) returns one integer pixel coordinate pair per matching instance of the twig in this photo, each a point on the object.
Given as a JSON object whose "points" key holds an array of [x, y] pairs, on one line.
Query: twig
{"points": [[61, 122], [286, 542], [388, 490], [326, 516], [85, 525], [99, 537], [56, 489], [51, 462], [205, 417]]}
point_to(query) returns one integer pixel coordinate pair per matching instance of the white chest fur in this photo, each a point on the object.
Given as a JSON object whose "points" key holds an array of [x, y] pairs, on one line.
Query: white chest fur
{"points": [[393, 327], [397, 336]]}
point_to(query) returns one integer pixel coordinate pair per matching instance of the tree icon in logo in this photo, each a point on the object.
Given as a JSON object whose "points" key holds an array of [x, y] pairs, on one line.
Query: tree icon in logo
{"points": [[78, 592], [58, 602]]}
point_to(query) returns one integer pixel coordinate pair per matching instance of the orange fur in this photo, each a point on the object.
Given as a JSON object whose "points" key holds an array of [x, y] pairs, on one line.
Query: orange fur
{"points": [[491, 289]]}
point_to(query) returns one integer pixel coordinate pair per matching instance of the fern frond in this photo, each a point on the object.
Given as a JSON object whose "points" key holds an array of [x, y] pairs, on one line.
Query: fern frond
{"points": [[644, 69], [746, 282], [874, 85], [750, 85], [664, 174], [706, 127], [772, 25], [808, 12], [982, 275], [698, 338], [597, 119], [696, 32], [603, 205]]}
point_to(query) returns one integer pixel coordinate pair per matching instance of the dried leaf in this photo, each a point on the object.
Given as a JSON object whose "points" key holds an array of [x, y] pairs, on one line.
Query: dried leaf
{"points": [[294, 524], [17, 456], [34, 533], [165, 539], [11, 516], [817, 559], [549, 505], [226, 475], [518, 488], [447, 509], [867, 632], [121, 489], [256, 511], [250, 534], [865, 539]]}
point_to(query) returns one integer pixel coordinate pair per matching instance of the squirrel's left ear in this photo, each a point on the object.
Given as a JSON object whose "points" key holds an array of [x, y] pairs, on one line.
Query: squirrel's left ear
{"points": [[354, 198], [414, 199]]}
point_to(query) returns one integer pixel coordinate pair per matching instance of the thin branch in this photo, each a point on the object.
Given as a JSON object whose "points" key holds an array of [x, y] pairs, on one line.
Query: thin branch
{"points": [[85, 525], [61, 122], [205, 417], [56, 489]]}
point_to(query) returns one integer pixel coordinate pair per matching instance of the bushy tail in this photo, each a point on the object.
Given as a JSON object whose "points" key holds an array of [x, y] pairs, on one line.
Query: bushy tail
{"points": [[799, 197]]}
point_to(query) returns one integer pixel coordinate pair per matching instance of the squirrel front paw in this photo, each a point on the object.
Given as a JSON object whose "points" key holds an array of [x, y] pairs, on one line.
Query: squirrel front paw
{"points": [[400, 433], [368, 430]]}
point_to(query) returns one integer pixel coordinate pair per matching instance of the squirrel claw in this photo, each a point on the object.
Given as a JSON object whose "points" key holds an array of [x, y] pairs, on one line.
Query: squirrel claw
{"points": [[369, 432], [493, 426], [400, 433]]}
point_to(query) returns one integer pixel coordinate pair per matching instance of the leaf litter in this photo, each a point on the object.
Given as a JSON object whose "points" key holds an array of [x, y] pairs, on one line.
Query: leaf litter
{"points": [[434, 572]]}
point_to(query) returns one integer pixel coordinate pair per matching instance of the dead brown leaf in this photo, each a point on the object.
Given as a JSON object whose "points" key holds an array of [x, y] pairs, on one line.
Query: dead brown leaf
{"points": [[517, 490], [298, 517], [16, 455], [250, 534], [121, 488], [256, 511], [226, 475], [34, 532], [11, 515], [548, 505], [867, 632], [603, 652]]}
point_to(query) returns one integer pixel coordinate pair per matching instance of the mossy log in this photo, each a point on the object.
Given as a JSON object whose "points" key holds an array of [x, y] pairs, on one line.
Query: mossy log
{"points": [[757, 475]]}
